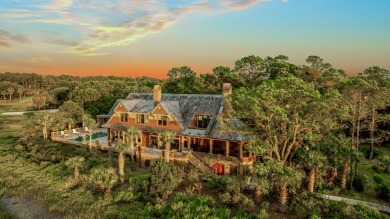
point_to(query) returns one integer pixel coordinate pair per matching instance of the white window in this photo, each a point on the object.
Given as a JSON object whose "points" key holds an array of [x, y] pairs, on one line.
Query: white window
{"points": [[162, 120], [124, 117], [203, 121], [143, 118]]}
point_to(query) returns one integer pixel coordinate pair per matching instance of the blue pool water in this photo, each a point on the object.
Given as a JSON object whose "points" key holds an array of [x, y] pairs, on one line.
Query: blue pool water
{"points": [[94, 135]]}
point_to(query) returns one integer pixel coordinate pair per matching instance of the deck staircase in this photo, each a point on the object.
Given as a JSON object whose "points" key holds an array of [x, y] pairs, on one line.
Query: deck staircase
{"points": [[196, 160]]}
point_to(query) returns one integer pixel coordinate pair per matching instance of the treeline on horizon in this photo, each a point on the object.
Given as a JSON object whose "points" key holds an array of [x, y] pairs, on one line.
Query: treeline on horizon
{"points": [[249, 72]]}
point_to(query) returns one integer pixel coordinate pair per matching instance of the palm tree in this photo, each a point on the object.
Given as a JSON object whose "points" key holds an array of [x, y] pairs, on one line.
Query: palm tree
{"points": [[105, 178], [132, 134], [75, 162], [167, 138], [4, 93], [84, 118], [284, 178], [338, 153], [10, 92], [90, 123], [121, 147], [260, 173], [20, 92], [44, 119], [313, 161], [70, 122]]}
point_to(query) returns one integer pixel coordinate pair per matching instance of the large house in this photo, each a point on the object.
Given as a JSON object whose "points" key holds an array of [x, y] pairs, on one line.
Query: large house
{"points": [[195, 118]]}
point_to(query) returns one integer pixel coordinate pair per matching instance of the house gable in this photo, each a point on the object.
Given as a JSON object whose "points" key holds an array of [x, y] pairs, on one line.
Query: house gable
{"points": [[115, 117], [159, 110], [120, 108]]}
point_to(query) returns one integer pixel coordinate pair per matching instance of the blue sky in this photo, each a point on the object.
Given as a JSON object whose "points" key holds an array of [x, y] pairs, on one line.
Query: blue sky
{"points": [[135, 38]]}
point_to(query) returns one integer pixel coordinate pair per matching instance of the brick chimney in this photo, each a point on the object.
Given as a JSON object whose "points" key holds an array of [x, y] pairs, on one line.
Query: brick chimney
{"points": [[226, 91], [157, 94]]}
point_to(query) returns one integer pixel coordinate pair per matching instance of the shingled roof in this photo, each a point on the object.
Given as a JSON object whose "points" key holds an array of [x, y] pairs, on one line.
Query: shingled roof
{"points": [[183, 107]]}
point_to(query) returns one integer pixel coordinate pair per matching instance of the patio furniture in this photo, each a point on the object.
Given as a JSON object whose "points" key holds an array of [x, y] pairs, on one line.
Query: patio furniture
{"points": [[63, 135], [172, 153], [75, 132]]}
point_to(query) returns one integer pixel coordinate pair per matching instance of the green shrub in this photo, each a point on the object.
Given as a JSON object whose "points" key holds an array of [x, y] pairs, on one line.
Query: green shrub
{"points": [[246, 202], [125, 195], [359, 183], [263, 214], [383, 192], [30, 114], [298, 206], [334, 209], [163, 180], [314, 216], [219, 183], [378, 178], [139, 179], [4, 215], [362, 211]]}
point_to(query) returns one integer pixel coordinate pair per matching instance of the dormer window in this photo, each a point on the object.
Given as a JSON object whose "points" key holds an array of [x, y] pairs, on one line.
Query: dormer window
{"points": [[142, 118], [162, 120], [124, 117], [203, 121]]}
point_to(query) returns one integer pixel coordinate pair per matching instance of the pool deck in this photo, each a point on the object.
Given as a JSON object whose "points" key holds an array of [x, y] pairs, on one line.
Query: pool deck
{"points": [[147, 152], [202, 161], [70, 138]]}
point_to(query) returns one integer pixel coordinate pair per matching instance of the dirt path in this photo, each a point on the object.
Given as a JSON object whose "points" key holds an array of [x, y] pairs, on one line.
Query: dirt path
{"points": [[26, 207], [356, 202], [22, 112]]}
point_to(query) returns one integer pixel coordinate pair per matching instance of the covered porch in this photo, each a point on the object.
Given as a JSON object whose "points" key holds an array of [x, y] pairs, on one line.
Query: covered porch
{"points": [[181, 143]]}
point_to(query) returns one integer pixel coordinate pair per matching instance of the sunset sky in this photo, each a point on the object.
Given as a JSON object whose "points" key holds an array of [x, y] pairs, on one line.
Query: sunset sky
{"points": [[148, 37]]}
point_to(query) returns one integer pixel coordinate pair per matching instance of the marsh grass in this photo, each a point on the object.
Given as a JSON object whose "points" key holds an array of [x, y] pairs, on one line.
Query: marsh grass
{"points": [[52, 183]]}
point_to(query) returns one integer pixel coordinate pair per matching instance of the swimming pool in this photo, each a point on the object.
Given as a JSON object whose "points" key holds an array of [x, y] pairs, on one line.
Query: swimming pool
{"points": [[94, 136]]}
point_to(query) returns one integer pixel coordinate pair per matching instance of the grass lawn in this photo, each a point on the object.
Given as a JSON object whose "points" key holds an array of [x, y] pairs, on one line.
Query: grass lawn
{"points": [[16, 105], [10, 126]]}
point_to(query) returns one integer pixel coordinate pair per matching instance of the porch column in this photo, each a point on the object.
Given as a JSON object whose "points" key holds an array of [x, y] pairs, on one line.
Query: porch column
{"points": [[123, 136], [226, 169], [189, 143], [241, 148], [149, 139], [227, 144], [108, 133], [181, 143], [211, 146]]}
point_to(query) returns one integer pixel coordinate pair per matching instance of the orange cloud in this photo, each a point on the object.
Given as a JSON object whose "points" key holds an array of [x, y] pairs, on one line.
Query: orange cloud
{"points": [[138, 19]]}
